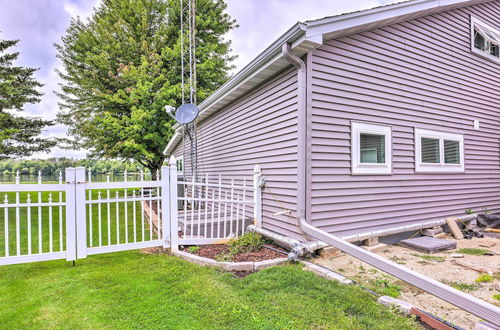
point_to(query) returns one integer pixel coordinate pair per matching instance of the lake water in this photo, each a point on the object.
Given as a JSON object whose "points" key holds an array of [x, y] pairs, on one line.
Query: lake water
{"points": [[31, 178]]}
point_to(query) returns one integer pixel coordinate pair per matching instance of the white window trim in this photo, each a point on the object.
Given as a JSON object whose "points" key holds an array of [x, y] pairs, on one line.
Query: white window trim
{"points": [[366, 168], [473, 22], [442, 167]]}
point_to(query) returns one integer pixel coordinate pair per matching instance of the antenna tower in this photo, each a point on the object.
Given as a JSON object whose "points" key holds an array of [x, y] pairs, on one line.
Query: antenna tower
{"points": [[188, 76]]}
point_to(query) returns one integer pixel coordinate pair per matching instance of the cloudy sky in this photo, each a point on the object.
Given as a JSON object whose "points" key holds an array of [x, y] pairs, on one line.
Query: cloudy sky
{"points": [[41, 23]]}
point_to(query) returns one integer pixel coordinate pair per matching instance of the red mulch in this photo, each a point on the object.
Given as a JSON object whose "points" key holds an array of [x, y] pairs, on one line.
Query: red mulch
{"points": [[210, 251]]}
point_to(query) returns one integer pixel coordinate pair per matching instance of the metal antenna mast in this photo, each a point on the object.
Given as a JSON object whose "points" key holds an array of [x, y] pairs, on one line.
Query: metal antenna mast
{"points": [[188, 73]]}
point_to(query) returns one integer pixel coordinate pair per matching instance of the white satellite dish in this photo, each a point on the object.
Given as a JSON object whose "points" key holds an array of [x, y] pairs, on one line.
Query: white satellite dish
{"points": [[186, 113]]}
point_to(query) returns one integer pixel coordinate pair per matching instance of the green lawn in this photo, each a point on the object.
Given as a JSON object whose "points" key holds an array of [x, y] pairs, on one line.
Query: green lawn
{"points": [[134, 290]]}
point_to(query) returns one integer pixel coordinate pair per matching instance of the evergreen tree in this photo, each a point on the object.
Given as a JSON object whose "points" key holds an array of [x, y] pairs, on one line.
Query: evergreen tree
{"points": [[122, 66], [19, 135]]}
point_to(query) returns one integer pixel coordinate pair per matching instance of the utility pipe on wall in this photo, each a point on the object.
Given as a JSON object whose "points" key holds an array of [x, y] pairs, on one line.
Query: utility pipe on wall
{"points": [[286, 52]]}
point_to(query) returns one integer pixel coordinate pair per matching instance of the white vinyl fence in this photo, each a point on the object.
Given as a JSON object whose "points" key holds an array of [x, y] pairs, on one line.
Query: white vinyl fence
{"points": [[76, 217]]}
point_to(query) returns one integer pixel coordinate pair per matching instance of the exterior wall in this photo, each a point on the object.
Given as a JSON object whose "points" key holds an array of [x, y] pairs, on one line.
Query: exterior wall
{"points": [[261, 128], [416, 74]]}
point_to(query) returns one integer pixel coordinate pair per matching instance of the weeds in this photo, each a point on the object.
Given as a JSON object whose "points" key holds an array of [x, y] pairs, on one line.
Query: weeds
{"points": [[484, 278], [398, 260], [193, 249], [496, 297], [249, 242], [429, 257], [474, 251], [461, 286]]}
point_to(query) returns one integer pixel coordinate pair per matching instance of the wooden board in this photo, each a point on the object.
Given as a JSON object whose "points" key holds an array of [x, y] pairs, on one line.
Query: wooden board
{"points": [[452, 223], [492, 230]]}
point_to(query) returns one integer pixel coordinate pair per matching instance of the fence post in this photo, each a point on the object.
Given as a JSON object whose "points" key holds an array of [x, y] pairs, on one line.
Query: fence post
{"points": [[257, 196], [165, 203], [80, 213], [174, 224], [69, 174]]}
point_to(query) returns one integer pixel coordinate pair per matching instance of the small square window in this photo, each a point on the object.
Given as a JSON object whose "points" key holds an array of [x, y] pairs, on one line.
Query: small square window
{"points": [[438, 151], [370, 149]]}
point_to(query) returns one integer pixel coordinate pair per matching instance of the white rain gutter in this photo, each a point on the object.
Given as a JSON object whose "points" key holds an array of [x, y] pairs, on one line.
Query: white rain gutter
{"points": [[458, 298]]}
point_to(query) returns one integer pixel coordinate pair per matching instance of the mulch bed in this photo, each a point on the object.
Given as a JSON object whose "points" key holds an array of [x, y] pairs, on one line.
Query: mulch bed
{"points": [[210, 251]]}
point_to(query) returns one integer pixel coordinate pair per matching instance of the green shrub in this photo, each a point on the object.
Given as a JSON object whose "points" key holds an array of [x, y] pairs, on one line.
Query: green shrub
{"points": [[194, 249], [249, 242], [483, 278]]}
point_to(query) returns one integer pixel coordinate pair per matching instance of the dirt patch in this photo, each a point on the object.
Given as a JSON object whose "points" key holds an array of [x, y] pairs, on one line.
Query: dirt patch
{"points": [[440, 266], [212, 251]]}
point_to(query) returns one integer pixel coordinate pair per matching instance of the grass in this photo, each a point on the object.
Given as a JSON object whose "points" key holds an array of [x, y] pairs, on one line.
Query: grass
{"points": [[496, 297], [427, 257], [133, 290], [474, 251]]}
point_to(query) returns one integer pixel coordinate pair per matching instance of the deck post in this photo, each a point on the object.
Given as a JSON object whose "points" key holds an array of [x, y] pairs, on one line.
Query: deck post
{"points": [[257, 196], [70, 214], [165, 205], [174, 224], [80, 213]]}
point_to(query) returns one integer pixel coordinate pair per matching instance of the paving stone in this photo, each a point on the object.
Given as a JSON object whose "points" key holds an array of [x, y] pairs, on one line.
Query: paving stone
{"points": [[402, 306], [373, 248], [268, 263], [247, 266], [429, 244]]}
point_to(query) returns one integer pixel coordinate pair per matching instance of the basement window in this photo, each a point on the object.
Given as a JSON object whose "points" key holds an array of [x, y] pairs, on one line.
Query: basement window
{"points": [[438, 152], [485, 40], [371, 149]]}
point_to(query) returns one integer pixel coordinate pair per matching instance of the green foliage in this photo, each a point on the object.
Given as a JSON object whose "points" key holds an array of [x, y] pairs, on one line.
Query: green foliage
{"points": [[133, 290], [193, 249], [474, 251], [484, 278], [429, 257], [496, 297], [19, 135], [122, 67], [53, 166], [461, 286], [469, 211], [249, 242], [384, 287]]}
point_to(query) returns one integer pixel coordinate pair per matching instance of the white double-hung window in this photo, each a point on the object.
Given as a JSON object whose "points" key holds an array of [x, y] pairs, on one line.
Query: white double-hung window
{"points": [[371, 149], [438, 151], [485, 40]]}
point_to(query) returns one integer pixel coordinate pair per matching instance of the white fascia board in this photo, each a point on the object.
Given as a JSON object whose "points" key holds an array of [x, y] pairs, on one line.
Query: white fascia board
{"points": [[173, 142], [380, 15]]}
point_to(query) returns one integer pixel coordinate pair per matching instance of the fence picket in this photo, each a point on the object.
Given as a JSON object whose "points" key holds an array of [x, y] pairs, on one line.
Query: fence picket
{"points": [[51, 238], [6, 225], [99, 217], [28, 215]]}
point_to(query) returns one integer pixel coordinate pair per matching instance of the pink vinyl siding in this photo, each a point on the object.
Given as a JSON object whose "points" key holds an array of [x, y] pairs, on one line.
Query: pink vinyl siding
{"points": [[416, 74], [260, 128]]}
